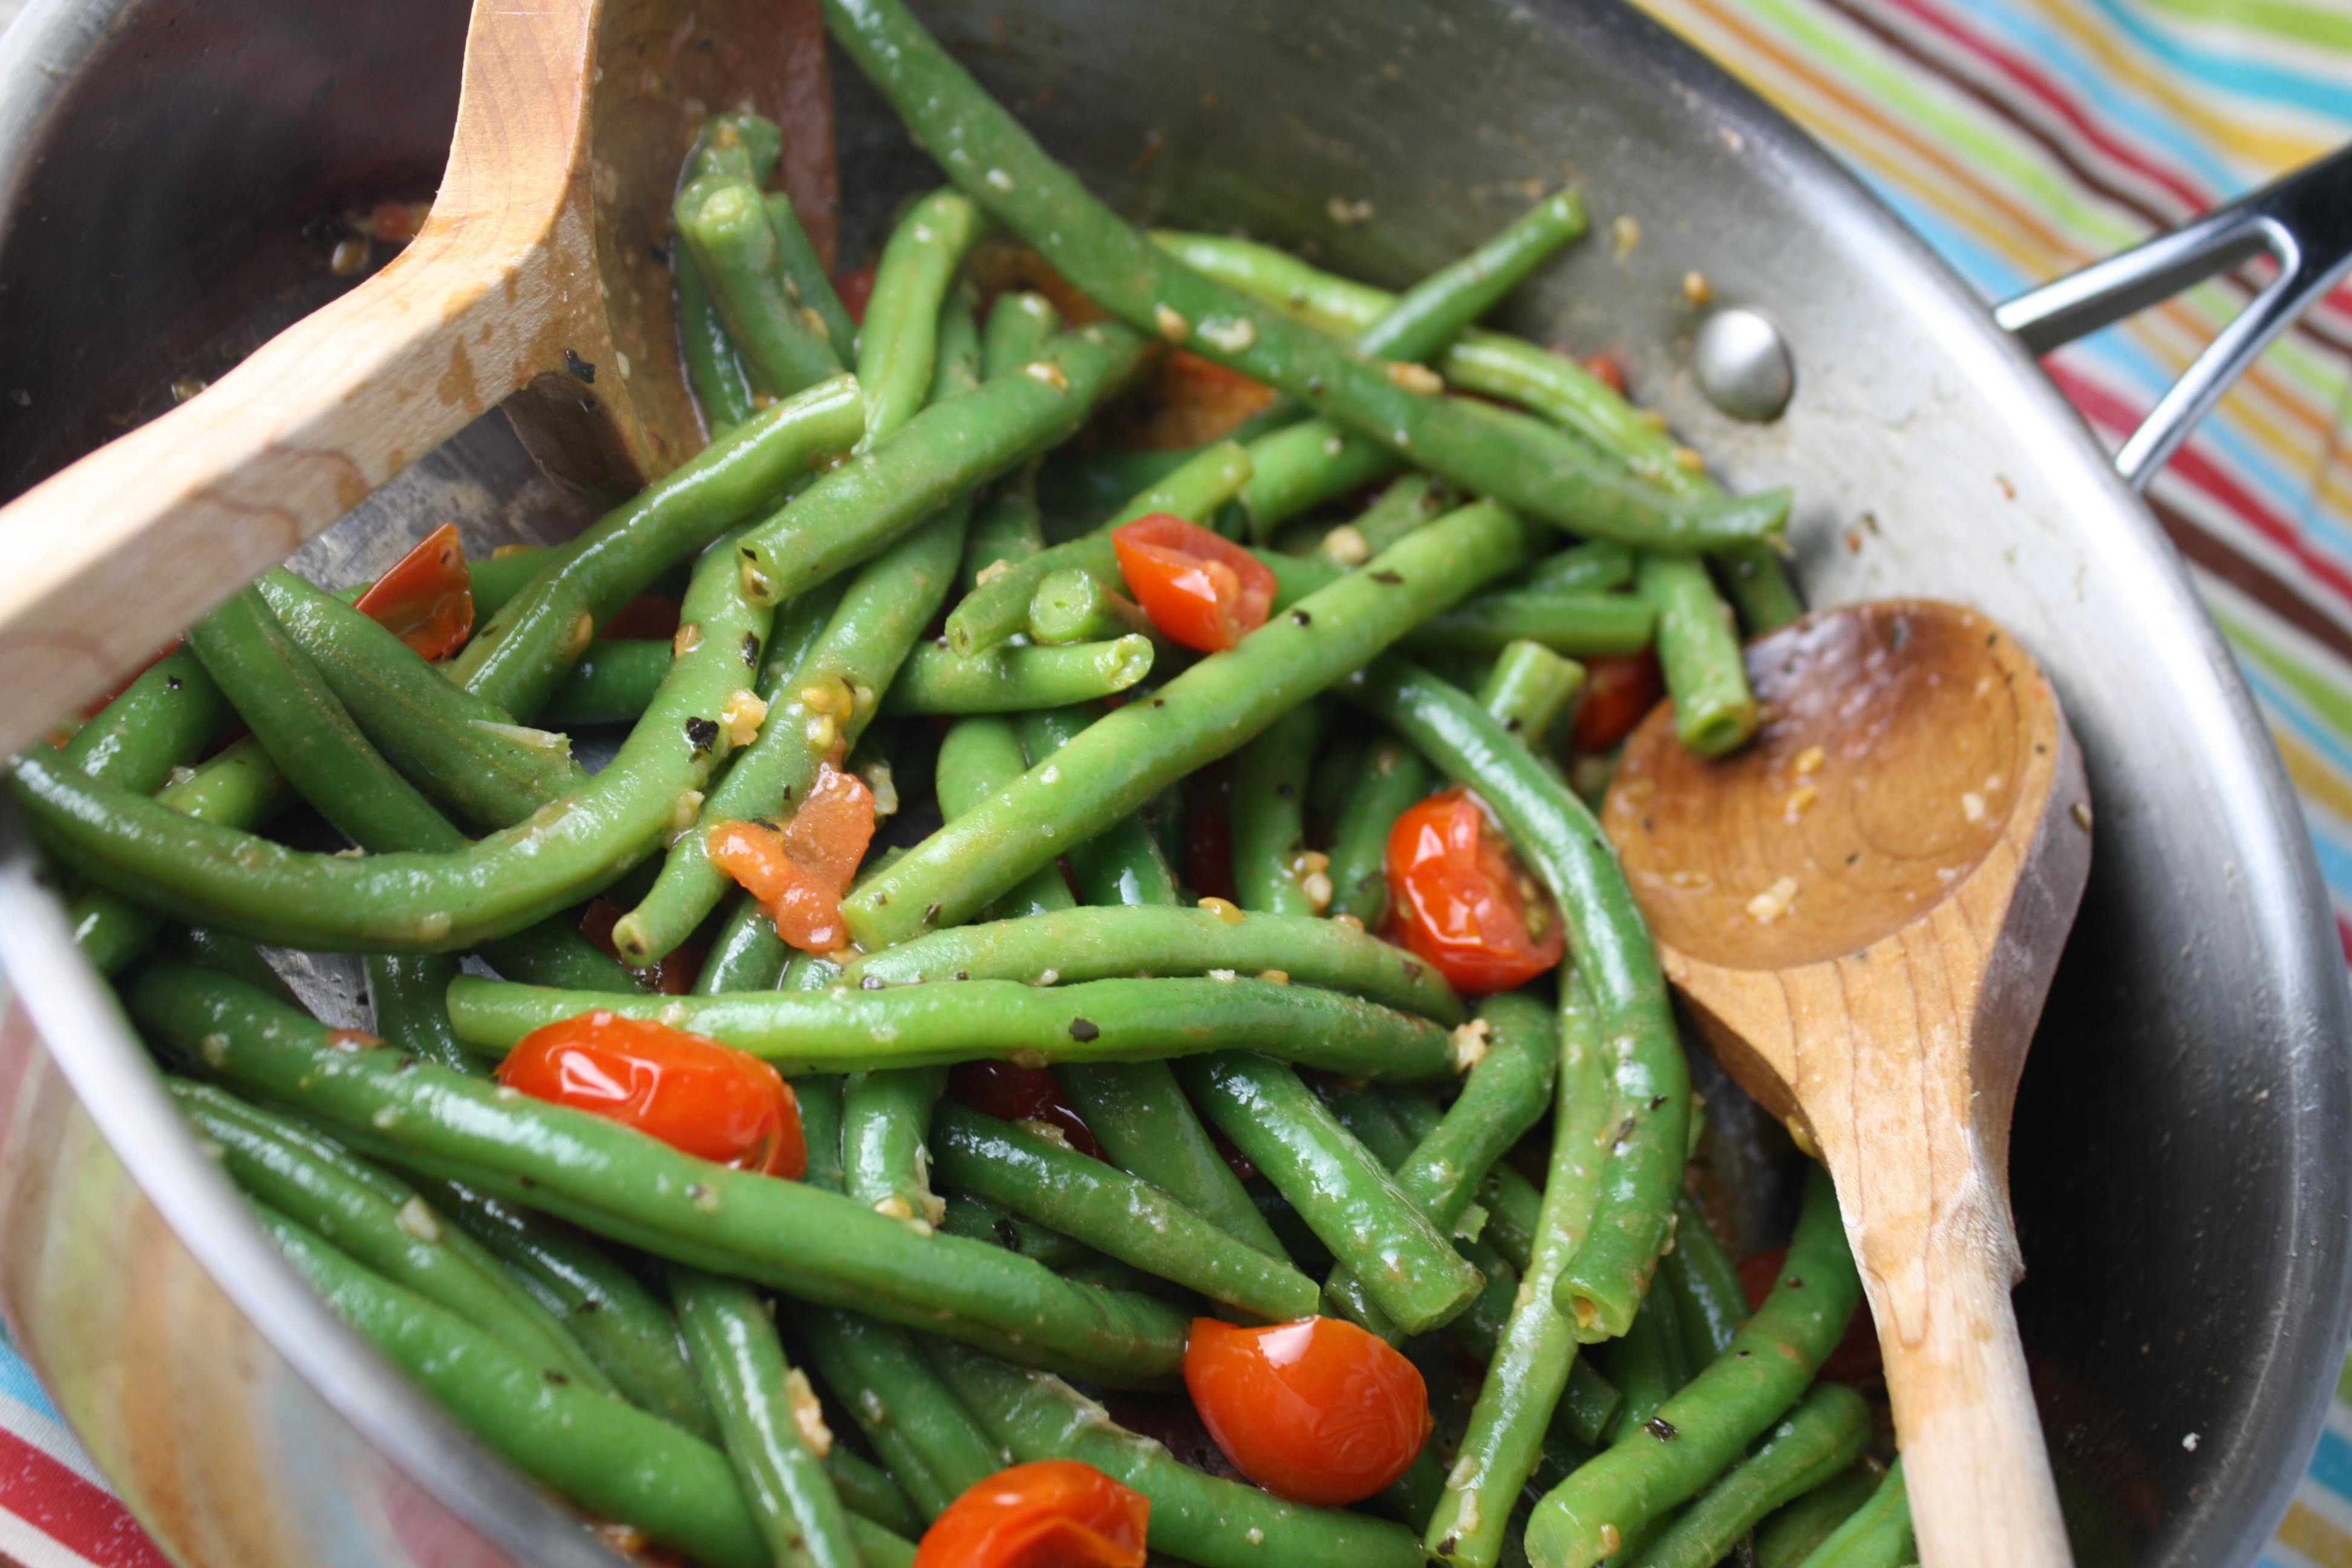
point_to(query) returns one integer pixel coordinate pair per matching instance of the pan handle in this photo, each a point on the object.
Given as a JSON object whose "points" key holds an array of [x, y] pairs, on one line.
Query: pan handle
{"points": [[2303, 220]]}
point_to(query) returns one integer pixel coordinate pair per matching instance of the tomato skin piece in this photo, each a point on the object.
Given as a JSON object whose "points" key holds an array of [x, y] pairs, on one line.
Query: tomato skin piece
{"points": [[1010, 1092], [427, 598], [696, 1095], [1202, 590], [1463, 901], [1318, 1411], [855, 287], [1051, 1513], [798, 872], [1620, 689]]}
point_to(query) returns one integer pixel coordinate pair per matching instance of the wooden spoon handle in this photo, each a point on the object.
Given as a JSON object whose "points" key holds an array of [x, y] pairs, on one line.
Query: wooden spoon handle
{"points": [[1973, 1457], [102, 562]]}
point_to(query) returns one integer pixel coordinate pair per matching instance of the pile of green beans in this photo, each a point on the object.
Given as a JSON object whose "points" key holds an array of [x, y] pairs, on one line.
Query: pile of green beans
{"points": [[1151, 888]]}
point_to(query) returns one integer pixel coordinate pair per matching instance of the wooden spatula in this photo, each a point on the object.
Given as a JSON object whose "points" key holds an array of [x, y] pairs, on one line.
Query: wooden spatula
{"points": [[541, 280], [1862, 911]]}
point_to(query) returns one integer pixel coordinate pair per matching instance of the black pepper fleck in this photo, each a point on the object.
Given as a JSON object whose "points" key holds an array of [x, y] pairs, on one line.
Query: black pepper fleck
{"points": [[930, 913], [1081, 1030], [1386, 577], [1657, 1100], [751, 650], [171, 683], [552, 1375], [1301, 618], [580, 367], [701, 734], [1663, 1430]]}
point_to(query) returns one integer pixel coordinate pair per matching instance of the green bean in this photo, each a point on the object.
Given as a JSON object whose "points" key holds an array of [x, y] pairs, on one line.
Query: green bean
{"points": [[805, 282], [1528, 688], [158, 722], [231, 955], [757, 1395], [1297, 469], [1430, 315], [746, 955], [1080, 491], [820, 1097], [497, 577], [1579, 624], [1511, 1199], [1703, 1427], [823, 698], [610, 1457], [624, 1328], [724, 221], [611, 684], [309, 735], [1823, 1435], [1089, 944], [998, 608], [737, 143], [381, 1221], [1020, 325], [1006, 527], [939, 456], [1478, 1331], [931, 1443], [621, 1184], [1269, 821], [1646, 1362], [1409, 501], [1877, 1535], [714, 369], [867, 1490], [886, 1122], [1595, 567], [878, 1547], [1650, 1082], [977, 758], [1114, 1213], [1498, 366], [1354, 1208], [1121, 761], [1791, 1536], [1589, 1406], [466, 752], [1138, 1113], [969, 1217], [895, 347], [408, 992], [1199, 1518], [1123, 864], [1003, 679], [406, 902], [999, 165], [1709, 1300], [1715, 713], [1395, 777], [521, 655], [1077, 606]]}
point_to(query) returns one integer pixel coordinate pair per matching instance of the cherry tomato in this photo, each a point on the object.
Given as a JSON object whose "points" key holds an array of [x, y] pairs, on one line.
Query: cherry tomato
{"points": [[1186, 402], [1054, 1513], [855, 287], [1856, 1358], [694, 1094], [648, 616], [1462, 901], [1621, 689], [1319, 1411], [1010, 1092], [427, 598], [1208, 846], [1204, 592], [1605, 370], [798, 872]]}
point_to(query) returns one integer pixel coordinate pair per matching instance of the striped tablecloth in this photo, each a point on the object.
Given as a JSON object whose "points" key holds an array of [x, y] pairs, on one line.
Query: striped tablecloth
{"points": [[2023, 138]]}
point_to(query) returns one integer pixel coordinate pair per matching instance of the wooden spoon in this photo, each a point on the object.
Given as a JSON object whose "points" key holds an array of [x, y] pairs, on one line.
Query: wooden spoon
{"points": [[541, 280], [1862, 911]]}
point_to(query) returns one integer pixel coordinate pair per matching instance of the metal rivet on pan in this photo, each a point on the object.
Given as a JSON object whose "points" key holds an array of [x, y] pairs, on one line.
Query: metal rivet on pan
{"points": [[1743, 365]]}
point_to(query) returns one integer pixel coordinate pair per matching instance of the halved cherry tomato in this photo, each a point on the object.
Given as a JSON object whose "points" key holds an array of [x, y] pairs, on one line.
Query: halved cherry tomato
{"points": [[1621, 689], [1010, 1092], [1204, 592], [647, 618], [799, 872], [1319, 1411], [1856, 1358], [694, 1094], [1053, 1513], [427, 598], [1464, 902]]}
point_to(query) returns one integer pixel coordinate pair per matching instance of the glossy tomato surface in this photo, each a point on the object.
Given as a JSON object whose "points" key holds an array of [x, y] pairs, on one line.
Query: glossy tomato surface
{"points": [[1055, 1513], [694, 1094], [798, 872], [1319, 1411], [1462, 901], [1618, 689], [427, 598], [1010, 1092], [1202, 590]]}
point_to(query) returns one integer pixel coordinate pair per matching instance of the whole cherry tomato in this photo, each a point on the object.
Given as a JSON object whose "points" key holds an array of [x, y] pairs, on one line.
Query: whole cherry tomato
{"points": [[1010, 1092], [427, 598], [798, 872], [1319, 1411], [1856, 1358], [1202, 590], [1054, 1513], [696, 1095], [1621, 688], [1462, 901]]}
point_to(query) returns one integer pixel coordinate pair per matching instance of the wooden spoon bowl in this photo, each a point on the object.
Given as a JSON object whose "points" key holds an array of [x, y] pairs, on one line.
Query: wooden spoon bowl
{"points": [[541, 280], [1862, 911]]}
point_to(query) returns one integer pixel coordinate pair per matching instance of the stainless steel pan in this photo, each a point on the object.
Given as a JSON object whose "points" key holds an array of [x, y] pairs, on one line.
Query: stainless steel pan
{"points": [[2179, 1161]]}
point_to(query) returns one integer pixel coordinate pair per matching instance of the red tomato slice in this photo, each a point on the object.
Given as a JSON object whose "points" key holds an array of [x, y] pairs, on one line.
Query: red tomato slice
{"points": [[798, 872], [1204, 591], [694, 1094], [1462, 901], [427, 599], [1055, 1513], [1856, 1358], [1319, 1411], [1623, 687], [1013, 1094]]}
